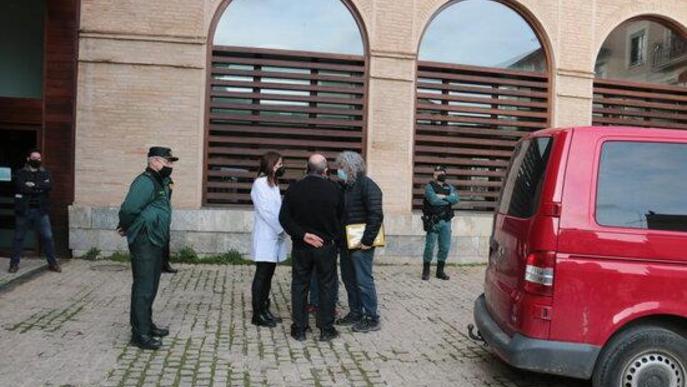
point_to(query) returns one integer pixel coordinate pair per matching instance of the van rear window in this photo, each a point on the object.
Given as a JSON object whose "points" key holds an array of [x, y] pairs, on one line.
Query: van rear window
{"points": [[642, 185], [522, 188]]}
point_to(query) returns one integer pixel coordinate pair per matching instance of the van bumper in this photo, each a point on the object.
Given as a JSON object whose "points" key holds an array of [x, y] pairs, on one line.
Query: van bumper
{"points": [[545, 356]]}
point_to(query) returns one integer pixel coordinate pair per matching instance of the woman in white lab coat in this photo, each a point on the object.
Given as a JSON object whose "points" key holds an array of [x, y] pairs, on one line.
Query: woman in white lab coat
{"points": [[269, 240]]}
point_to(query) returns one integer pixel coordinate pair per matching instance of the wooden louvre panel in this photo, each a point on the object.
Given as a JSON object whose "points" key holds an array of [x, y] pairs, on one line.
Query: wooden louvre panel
{"points": [[469, 119], [295, 103], [624, 103]]}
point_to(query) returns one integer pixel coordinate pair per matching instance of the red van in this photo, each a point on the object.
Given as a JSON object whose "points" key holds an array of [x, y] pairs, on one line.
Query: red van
{"points": [[587, 273]]}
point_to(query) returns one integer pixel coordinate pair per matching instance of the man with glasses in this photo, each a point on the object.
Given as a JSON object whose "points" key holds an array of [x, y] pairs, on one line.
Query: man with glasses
{"points": [[145, 218], [33, 184]]}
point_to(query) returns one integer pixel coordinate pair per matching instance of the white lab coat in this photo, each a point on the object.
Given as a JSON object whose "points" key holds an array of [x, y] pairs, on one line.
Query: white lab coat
{"points": [[269, 238]]}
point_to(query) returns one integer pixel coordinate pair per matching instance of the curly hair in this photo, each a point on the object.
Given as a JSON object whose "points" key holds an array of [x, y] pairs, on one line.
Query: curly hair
{"points": [[352, 163]]}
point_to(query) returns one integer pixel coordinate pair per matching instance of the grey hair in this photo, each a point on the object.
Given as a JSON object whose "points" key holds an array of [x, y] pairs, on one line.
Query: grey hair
{"points": [[352, 163]]}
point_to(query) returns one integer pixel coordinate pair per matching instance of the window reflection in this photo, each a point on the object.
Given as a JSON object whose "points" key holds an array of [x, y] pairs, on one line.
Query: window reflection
{"points": [[642, 185], [483, 33], [643, 51], [303, 25]]}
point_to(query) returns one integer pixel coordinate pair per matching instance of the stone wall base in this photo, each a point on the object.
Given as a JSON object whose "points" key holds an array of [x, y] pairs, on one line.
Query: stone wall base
{"points": [[216, 231]]}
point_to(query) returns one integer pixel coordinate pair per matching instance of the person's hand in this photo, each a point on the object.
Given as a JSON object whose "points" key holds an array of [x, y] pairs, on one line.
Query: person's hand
{"points": [[30, 184], [364, 247], [313, 240], [121, 232]]}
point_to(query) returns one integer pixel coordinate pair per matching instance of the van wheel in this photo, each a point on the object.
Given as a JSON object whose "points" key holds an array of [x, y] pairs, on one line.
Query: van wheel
{"points": [[644, 356]]}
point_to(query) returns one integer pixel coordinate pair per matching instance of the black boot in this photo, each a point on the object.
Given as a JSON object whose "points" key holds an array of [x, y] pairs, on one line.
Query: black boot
{"points": [[440, 271], [425, 271], [269, 314], [146, 342], [167, 268], [262, 320]]}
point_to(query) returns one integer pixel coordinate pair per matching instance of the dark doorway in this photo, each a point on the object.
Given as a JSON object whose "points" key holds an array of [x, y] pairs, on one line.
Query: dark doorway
{"points": [[13, 148]]}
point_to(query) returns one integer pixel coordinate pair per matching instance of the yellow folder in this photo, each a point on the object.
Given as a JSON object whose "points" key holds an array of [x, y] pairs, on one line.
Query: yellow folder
{"points": [[354, 234]]}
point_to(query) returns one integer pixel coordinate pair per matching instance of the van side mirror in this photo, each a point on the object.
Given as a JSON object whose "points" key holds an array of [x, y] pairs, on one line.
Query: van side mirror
{"points": [[5, 174]]}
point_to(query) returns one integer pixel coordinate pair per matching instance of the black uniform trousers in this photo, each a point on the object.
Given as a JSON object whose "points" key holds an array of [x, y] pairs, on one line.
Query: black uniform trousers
{"points": [[146, 259], [323, 261]]}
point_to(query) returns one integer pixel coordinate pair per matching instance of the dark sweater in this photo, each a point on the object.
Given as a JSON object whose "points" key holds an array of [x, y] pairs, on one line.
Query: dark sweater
{"points": [[35, 197], [312, 205]]}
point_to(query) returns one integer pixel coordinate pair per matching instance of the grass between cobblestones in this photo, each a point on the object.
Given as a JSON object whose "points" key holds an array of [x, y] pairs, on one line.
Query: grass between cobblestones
{"points": [[80, 318], [231, 257]]}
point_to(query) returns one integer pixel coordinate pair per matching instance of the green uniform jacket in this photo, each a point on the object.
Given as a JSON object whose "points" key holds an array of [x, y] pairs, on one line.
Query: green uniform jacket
{"points": [[147, 207]]}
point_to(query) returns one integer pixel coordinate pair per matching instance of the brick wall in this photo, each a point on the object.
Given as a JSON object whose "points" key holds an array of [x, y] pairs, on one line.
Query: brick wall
{"points": [[142, 82]]}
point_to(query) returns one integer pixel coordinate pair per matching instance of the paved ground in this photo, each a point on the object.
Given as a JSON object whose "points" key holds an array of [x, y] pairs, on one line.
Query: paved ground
{"points": [[27, 267], [72, 329]]}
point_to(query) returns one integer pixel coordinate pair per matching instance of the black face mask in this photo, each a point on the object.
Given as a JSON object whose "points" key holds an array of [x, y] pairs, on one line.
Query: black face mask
{"points": [[441, 178], [35, 163], [165, 172], [280, 171]]}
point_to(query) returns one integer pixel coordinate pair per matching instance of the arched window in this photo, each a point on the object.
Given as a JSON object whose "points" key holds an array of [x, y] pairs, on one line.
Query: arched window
{"points": [[641, 74], [482, 83], [285, 75]]}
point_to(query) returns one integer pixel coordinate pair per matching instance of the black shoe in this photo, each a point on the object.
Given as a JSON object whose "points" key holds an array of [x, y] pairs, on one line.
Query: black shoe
{"points": [[269, 315], [348, 319], [367, 325], [146, 342], [328, 334], [262, 320], [14, 268], [169, 269], [159, 332], [298, 334], [425, 271], [440, 271]]}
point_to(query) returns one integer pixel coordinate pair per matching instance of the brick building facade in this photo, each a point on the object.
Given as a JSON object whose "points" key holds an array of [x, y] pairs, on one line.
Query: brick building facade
{"points": [[143, 79]]}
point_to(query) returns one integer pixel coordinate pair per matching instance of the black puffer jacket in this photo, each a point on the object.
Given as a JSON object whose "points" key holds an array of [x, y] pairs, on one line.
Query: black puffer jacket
{"points": [[363, 204]]}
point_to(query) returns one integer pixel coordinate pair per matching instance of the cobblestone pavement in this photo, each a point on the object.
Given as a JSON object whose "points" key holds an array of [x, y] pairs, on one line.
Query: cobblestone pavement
{"points": [[72, 329], [27, 267]]}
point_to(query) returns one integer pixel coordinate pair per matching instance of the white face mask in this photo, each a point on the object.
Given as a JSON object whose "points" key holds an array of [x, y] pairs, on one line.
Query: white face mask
{"points": [[342, 174]]}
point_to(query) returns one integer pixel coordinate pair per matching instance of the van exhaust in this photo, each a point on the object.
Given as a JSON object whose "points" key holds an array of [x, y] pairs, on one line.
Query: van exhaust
{"points": [[475, 336]]}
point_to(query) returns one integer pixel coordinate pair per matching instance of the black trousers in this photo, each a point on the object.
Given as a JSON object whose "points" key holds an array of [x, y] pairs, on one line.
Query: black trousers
{"points": [[323, 262], [262, 283], [165, 256]]}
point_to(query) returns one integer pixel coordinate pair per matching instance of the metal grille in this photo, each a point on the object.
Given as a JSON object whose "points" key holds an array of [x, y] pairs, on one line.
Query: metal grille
{"points": [[639, 104], [292, 102], [469, 119]]}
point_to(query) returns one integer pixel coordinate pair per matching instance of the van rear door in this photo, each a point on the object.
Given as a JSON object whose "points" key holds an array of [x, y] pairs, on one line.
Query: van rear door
{"points": [[514, 220]]}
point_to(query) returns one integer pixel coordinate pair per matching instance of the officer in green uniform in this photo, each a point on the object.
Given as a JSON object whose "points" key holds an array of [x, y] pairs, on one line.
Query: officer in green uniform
{"points": [[144, 218], [440, 197]]}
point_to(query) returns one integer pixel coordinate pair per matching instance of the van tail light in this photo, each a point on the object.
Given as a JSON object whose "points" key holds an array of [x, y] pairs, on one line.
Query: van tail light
{"points": [[539, 271]]}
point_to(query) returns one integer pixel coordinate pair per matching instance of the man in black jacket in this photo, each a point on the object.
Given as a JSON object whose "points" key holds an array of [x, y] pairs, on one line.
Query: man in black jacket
{"points": [[32, 203], [311, 214], [363, 204]]}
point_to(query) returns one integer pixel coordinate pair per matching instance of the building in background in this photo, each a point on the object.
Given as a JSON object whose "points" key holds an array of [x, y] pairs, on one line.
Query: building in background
{"points": [[408, 83], [38, 60]]}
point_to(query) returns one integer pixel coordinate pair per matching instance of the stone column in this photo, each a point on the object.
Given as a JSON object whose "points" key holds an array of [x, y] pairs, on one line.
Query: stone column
{"points": [[390, 127]]}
